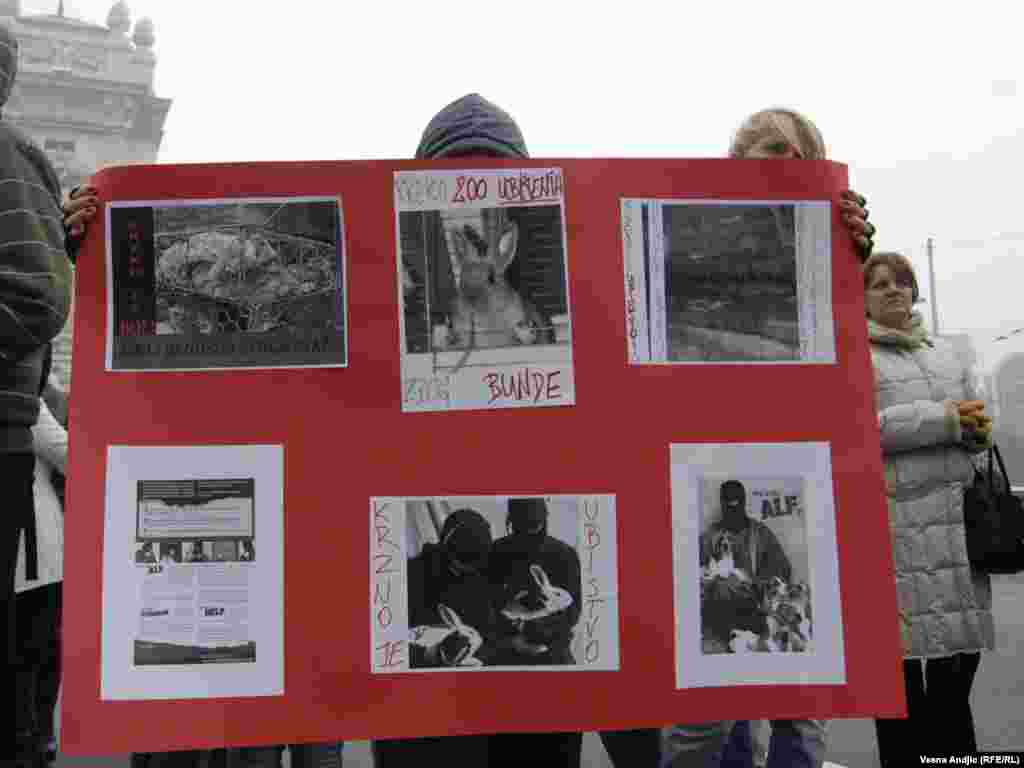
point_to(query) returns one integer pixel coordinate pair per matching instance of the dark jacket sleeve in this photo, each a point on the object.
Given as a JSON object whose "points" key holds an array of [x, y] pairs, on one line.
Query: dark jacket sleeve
{"points": [[35, 274], [771, 560], [418, 612]]}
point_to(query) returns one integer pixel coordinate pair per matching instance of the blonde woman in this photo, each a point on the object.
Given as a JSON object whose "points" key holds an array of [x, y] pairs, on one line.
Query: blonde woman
{"points": [[787, 135]]}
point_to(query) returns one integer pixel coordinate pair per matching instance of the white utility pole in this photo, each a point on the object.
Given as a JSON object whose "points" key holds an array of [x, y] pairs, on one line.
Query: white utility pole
{"points": [[931, 278]]}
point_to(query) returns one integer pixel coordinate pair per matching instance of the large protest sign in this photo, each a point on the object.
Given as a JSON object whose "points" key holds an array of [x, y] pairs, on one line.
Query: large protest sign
{"points": [[761, 342]]}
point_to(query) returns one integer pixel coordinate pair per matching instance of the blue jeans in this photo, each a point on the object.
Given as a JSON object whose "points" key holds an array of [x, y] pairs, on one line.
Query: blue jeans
{"points": [[794, 744]]}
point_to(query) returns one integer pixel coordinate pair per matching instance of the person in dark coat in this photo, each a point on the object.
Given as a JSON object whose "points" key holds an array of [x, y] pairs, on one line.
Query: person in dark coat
{"points": [[531, 569], [448, 587], [515, 580], [757, 557], [35, 298]]}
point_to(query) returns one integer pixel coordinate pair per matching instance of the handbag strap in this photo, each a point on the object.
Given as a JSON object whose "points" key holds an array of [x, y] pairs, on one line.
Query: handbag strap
{"points": [[994, 450]]}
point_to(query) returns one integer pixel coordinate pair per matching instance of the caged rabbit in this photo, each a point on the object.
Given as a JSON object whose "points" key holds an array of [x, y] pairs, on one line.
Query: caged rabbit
{"points": [[486, 311]]}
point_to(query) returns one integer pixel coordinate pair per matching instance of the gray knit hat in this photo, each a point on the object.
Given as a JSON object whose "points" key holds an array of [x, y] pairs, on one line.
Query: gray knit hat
{"points": [[471, 125], [8, 62]]}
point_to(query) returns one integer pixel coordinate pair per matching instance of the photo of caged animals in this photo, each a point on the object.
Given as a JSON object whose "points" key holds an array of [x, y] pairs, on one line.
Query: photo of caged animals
{"points": [[731, 283], [247, 267], [489, 278]]}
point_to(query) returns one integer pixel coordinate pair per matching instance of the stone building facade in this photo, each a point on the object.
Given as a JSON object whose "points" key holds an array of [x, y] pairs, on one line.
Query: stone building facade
{"points": [[84, 92]]}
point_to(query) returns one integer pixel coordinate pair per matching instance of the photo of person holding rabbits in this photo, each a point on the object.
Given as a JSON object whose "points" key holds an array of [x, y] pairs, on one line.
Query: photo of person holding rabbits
{"points": [[498, 583]]}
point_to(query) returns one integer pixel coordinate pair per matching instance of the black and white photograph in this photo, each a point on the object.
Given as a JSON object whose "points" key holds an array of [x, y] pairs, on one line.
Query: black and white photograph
{"points": [[754, 560], [187, 591], [728, 282], [755, 583], [248, 283], [493, 583], [483, 290]]}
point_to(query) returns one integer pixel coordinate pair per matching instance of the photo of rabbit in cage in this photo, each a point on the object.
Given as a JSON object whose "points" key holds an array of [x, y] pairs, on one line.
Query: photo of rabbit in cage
{"points": [[484, 279]]}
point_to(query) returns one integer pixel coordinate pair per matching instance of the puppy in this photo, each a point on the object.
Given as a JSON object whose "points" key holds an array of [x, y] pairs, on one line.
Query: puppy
{"points": [[723, 562]]}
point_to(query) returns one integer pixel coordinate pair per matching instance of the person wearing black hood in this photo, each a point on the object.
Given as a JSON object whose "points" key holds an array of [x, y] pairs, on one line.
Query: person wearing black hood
{"points": [[448, 585], [757, 557], [757, 553], [514, 576]]}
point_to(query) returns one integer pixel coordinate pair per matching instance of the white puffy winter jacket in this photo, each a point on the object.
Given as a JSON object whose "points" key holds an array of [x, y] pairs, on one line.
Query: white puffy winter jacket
{"points": [[945, 607]]}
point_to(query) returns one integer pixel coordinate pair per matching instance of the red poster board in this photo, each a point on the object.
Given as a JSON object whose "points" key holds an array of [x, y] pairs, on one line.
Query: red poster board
{"points": [[346, 440]]}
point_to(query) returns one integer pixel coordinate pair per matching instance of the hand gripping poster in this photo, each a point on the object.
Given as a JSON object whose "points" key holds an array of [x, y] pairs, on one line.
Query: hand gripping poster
{"points": [[719, 281], [190, 610], [243, 283], [493, 583], [483, 289]]}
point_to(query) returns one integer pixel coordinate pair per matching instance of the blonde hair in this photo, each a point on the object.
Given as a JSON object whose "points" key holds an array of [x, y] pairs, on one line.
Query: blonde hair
{"points": [[898, 263], [766, 122]]}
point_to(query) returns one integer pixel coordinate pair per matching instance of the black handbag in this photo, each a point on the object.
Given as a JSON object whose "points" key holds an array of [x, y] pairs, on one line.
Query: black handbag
{"points": [[994, 521]]}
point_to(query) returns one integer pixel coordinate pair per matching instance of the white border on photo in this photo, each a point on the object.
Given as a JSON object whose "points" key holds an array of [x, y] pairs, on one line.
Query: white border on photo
{"points": [[443, 380], [595, 642], [637, 331], [120, 678], [813, 223], [205, 202], [826, 663]]}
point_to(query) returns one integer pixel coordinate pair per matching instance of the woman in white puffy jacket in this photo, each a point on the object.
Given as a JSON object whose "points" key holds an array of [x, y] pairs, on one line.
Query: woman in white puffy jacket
{"points": [[931, 425], [38, 601]]}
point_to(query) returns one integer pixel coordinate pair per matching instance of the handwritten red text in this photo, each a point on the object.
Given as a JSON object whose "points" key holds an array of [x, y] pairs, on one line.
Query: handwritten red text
{"points": [[525, 385]]}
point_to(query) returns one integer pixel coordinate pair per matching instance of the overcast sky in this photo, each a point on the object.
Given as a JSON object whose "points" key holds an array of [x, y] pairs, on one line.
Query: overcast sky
{"points": [[925, 106]]}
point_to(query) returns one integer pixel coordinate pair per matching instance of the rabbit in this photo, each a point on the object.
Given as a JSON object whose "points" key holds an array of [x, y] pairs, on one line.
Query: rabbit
{"points": [[455, 644], [459, 648], [541, 599], [486, 311]]}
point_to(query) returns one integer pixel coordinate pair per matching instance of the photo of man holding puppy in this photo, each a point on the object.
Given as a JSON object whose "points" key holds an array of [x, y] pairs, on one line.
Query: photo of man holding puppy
{"points": [[753, 599]]}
